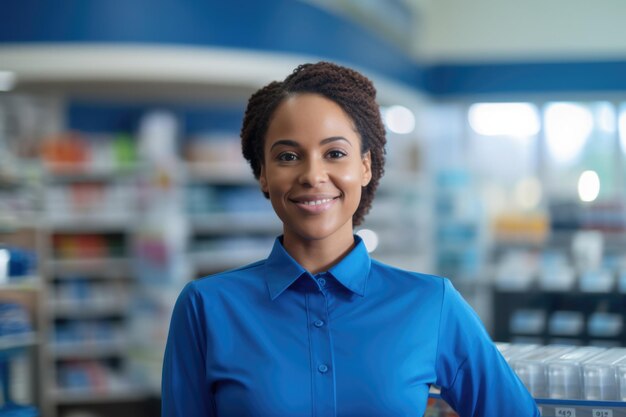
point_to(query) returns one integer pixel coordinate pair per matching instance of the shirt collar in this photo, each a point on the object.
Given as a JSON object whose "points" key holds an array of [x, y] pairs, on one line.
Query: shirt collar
{"points": [[282, 270]]}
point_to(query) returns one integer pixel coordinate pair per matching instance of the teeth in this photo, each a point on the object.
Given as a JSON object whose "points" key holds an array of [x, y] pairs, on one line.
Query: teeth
{"points": [[316, 202]]}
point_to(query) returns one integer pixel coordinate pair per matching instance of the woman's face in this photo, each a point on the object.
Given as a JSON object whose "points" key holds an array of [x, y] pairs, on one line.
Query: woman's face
{"points": [[313, 169]]}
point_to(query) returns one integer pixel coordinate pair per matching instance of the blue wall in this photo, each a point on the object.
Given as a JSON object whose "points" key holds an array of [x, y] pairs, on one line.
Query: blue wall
{"points": [[451, 79], [105, 117], [289, 26], [269, 25]]}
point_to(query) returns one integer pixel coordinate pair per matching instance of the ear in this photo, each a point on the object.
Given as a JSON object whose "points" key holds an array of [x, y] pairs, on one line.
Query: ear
{"points": [[263, 180], [366, 160]]}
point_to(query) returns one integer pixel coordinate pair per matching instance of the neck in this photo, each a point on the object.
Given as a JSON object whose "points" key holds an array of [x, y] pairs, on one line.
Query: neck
{"points": [[318, 255]]}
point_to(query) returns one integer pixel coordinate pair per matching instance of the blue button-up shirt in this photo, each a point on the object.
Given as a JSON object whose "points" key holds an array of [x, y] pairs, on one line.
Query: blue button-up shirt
{"points": [[362, 339]]}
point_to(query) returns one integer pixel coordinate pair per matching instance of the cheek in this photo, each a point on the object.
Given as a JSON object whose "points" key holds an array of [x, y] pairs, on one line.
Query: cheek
{"points": [[351, 180], [279, 181]]}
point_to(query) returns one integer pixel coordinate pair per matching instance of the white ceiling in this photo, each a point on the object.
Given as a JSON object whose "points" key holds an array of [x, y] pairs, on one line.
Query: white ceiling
{"points": [[520, 30]]}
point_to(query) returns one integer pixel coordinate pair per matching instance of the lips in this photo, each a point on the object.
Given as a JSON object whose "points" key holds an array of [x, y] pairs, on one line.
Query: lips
{"points": [[314, 204]]}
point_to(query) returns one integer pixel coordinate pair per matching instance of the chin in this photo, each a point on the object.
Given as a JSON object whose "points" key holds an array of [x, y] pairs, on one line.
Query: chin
{"points": [[316, 231]]}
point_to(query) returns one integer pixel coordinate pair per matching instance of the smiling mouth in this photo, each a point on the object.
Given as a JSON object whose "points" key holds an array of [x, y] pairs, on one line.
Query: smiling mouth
{"points": [[316, 202], [315, 206]]}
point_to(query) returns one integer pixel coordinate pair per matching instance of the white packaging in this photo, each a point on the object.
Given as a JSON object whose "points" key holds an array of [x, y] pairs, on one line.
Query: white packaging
{"points": [[514, 350], [565, 375], [620, 369], [531, 368], [600, 379]]}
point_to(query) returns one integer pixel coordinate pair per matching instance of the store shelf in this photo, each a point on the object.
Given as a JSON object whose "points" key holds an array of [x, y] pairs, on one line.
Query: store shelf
{"points": [[507, 302], [26, 283], [108, 395], [110, 275], [10, 182], [225, 173], [235, 222], [73, 173], [86, 309], [223, 259], [23, 220], [88, 350], [552, 408], [92, 266], [18, 341], [563, 238], [81, 223], [581, 408]]}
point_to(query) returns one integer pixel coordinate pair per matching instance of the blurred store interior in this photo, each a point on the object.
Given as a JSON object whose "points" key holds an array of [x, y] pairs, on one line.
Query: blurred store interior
{"points": [[121, 176]]}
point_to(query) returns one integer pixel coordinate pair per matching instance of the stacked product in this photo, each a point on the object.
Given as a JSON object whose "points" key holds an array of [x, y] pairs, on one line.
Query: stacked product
{"points": [[570, 373]]}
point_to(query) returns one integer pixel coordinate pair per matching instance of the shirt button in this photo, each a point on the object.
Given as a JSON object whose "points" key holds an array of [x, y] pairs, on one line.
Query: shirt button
{"points": [[322, 282], [318, 323], [322, 368]]}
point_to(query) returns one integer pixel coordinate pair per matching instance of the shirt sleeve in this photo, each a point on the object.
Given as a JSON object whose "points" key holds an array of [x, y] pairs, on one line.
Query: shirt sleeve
{"points": [[185, 391], [474, 377]]}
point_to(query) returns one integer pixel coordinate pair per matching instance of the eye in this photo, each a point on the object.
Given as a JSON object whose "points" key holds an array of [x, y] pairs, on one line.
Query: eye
{"points": [[336, 154], [287, 157]]}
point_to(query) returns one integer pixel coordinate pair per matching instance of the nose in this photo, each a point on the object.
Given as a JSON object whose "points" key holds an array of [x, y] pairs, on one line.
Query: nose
{"points": [[313, 172]]}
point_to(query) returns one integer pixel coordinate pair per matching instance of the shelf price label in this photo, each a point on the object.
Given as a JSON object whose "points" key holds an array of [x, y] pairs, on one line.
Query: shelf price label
{"points": [[601, 412], [565, 412]]}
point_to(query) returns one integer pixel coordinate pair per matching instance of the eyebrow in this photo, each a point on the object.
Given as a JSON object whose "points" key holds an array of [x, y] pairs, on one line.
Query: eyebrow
{"points": [[293, 143]]}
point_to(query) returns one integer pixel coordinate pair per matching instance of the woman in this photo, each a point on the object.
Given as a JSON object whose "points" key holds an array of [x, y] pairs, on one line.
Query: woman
{"points": [[318, 328]]}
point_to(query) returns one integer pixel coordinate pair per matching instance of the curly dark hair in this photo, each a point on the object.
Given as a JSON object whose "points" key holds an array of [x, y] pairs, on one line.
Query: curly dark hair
{"points": [[352, 91]]}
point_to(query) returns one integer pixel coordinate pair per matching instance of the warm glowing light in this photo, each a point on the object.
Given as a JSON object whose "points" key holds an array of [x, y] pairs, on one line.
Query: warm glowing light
{"points": [[504, 119], [370, 239], [567, 128], [588, 186], [399, 119]]}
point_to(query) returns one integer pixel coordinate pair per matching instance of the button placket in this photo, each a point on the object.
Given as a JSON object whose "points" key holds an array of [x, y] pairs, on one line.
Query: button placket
{"points": [[323, 379]]}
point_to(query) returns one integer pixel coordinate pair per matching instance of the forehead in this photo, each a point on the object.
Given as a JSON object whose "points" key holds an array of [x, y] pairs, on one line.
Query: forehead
{"points": [[307, 115]]}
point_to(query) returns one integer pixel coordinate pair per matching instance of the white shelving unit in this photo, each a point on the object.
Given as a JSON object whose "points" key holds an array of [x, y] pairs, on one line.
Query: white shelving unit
{"points": [[160, 74], [88, 251], [19, 213]]}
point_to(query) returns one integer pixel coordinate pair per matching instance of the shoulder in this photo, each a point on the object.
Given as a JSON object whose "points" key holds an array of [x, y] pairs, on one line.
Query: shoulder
{"points": [[235, 282]]}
